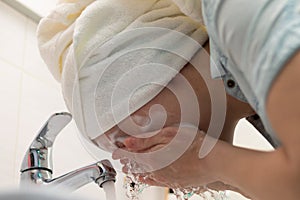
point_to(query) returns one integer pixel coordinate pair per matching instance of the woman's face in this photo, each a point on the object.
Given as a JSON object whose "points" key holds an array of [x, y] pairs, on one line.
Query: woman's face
{"points": [[162, 111]]}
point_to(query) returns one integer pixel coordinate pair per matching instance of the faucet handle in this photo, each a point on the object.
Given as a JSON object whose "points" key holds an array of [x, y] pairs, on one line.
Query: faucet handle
{"points": [[38, 155]]}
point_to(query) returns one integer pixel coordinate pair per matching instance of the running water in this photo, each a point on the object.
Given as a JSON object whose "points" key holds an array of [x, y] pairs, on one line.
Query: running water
{"points": [[134, 188], [110, 191], [203, 192], [132, 185]]}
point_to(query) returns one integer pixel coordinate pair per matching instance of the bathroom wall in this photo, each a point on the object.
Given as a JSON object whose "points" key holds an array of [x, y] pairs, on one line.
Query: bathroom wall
{"points": [[29, 95], [38, 6]]}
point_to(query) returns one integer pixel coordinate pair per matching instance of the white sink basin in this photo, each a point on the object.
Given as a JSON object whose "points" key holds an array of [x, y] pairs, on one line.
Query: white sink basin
{"points": [[39, 194]]}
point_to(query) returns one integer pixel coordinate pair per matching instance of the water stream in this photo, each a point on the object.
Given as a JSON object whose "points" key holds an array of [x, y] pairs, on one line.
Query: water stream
{"points": [[110, 191]]}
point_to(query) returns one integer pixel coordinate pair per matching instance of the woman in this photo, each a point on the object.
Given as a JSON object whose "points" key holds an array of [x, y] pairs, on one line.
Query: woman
{"points": [[257, 43], [78, 52]]}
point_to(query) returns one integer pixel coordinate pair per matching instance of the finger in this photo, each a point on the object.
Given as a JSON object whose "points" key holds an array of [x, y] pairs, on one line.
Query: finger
{"points": [[121, 154], [151, 182], [144, 177], [164, 136], [125, 169], [134, 168], [124, 161], [117, 154], [153, 148], [135, 161]]}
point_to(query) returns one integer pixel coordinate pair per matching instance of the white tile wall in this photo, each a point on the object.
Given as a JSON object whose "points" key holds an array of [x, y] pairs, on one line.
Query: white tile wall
{"points": [[29, 95], [246, 136], [40, 7], [10, 82], [12, 35]]}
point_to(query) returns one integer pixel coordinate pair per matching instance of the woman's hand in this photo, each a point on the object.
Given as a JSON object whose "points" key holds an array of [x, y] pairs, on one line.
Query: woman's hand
{"points": [[169, 167], [180, 147]]}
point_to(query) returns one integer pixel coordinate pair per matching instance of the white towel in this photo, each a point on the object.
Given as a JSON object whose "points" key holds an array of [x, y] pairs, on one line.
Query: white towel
{"points": [[55, 33], [101, 50], [192, 8]]}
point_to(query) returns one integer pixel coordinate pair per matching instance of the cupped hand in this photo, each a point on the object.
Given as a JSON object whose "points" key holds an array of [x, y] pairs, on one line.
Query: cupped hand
{"points": [[169, 158]]}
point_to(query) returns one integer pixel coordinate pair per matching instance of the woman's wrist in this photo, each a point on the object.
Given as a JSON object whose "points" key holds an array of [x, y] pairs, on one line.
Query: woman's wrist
{"points": [[233, 165], [216, 160]]}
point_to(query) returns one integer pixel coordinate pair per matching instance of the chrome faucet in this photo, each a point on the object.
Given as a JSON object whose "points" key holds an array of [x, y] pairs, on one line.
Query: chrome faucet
{"points": [[37, 166]]}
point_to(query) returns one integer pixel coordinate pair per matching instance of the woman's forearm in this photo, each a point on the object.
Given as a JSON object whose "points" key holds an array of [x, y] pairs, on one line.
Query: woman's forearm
{"points": [[269, 175], [261, 175]]}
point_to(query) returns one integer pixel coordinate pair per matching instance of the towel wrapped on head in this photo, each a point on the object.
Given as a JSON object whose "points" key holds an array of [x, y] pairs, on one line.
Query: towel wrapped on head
{"points": [[114, 56]]}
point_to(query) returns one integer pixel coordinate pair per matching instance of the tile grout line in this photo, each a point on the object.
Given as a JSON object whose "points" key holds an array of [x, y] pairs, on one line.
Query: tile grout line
{"points": [[23, 9], [27, 72], [20, 101], [18, 125], [21, 68]]}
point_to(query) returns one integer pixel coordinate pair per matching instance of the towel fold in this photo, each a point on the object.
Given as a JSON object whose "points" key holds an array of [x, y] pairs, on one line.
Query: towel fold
{"points": [[192, 8], [114, 56], [55, 33]]}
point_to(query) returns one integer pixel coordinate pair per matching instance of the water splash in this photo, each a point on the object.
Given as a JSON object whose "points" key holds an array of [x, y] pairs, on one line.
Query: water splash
{"points": [[132, 185], [203, 192], [134, 188]]}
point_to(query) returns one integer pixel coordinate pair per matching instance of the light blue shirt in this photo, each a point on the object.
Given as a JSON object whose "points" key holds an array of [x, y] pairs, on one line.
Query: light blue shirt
{"points": [[250, 43]]}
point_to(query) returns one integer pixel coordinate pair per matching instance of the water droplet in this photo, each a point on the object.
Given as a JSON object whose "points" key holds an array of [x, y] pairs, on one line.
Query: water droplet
{"points": [[132, 186]]}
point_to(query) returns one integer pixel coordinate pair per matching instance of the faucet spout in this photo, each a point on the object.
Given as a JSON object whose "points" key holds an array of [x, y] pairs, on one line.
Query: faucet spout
{"points": [[99, 172], [37, 168]]}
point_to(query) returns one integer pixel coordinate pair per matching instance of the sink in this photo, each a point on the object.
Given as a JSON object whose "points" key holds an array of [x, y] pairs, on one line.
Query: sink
{"points": [[38, 194]]}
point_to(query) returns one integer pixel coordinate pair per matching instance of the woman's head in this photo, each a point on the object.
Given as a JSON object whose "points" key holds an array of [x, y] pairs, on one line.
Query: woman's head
{"points": [[90, 61], [165, 109]]}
